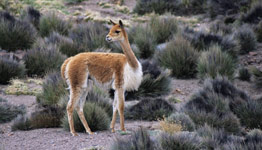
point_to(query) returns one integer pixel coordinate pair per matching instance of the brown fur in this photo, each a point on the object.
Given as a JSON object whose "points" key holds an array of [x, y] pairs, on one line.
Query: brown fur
{"points": [[63, 67]]}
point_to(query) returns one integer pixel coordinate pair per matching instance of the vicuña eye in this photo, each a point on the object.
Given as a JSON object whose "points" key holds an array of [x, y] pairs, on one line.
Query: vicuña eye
{"points": [[117, 31]]}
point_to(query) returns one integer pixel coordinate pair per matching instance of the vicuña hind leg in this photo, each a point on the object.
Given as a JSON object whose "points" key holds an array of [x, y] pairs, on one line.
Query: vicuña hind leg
{"points": [[80, 112], [74, 97]]}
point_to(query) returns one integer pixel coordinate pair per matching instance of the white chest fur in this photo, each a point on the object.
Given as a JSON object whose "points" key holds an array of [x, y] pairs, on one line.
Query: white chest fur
{"points": [[132, 78]]}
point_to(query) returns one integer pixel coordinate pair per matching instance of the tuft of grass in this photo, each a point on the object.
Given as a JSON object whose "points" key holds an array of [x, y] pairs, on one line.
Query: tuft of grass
{"points": [[140, 139], [183, 119], [214, 62], [169, 127], [53, 88], [244, 74], [163, 27], [257, 76], [258, 31], [32, 15], [181, 141], [15, 34], [96, 118], [185, 57], [9, 112], [42, 59], [246, 39], [51, 22], [21, 122], [10, 69], [149, 109]]}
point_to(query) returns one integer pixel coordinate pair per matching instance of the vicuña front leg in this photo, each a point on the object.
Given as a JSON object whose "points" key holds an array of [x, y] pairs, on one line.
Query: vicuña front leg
{"points": [[115, 107], [121, 107]]}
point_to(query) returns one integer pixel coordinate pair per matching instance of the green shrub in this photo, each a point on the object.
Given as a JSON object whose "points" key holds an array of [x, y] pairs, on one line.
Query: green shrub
{"points": [[51, 22], [181, 141], [163, 27], [258, 77], [183, 119], [53, 88], [9, 112], [139, 140], [149, 109], [180, 57], [43, 58], [89, 36], [259, 32], [214, 62], [142, 36], [244, 74], [249, 113], [10, 69], [96, 118], [246, 39], [15, 34]]}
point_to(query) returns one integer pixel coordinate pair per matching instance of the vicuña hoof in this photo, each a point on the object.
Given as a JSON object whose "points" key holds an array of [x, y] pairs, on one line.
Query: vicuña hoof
{"points": [[113, 131], [74, 134]]}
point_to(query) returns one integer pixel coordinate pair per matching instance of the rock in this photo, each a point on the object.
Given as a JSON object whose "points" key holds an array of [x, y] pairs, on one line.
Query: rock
{"points": [[253, 53]]}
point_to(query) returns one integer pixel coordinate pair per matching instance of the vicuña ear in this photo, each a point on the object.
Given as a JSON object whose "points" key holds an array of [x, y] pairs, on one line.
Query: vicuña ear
{"points": [[121, 24], [112, 22]]}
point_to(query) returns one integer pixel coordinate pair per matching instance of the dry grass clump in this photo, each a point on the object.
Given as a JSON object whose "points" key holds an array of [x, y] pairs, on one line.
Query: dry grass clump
{"points": [[169, 127]]}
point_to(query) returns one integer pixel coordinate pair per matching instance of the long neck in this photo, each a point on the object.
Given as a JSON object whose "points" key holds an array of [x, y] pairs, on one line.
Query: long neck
{"points": [[131, 58]]}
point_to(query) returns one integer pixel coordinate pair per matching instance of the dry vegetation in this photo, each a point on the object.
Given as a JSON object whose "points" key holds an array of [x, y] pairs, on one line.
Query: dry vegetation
{"points": [[220, 48]]}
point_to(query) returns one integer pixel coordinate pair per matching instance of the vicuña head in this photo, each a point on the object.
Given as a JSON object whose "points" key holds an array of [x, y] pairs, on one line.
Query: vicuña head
{"points": [[117, 32], [122, 70]]}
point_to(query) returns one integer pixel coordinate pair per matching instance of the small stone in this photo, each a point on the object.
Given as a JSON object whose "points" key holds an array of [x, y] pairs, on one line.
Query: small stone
{"points": [[253, 53]]}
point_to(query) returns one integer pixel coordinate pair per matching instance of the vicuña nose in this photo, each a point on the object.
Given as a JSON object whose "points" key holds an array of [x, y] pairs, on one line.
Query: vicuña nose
{"points": [[108, 38]]}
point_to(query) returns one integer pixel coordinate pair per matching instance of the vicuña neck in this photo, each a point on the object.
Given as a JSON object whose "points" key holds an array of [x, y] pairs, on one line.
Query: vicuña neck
{"points": [[131, 58]]}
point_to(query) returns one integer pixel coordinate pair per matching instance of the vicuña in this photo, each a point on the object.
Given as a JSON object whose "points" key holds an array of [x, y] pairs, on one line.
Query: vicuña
{"points": [[122, 70]]}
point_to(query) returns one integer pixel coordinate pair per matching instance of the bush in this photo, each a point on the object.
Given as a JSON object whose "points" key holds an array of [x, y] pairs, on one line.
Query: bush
{"points": [[183, 119], [214, 62], [181, 141], [246, 39], [48, 117], [254, 14], [244, 74], [9, 112], [152, 87], [258, 77], [32, 15], [180, 57], [43, 58], [139, 140], [230, 45], [96, 118], [157, 6], [21, 122], [15, 34], [209, 108], [224, 7], [258, 31], [65, 44], [169, 127], [50, 22], [142, 36], [74, 1], [149, 109], [215, 139], [163, 27], [249, 113], [53, 88], [10, 69], [88, 36]]}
